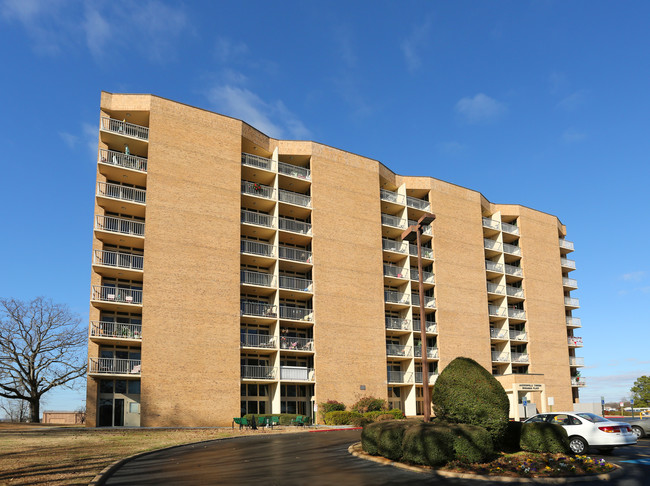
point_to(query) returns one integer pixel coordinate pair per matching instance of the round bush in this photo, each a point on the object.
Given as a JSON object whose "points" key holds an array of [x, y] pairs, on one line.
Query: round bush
{"points": [[467, 393], [544, 437], [390, 438], [370, 438], [430, 444], [472, 444]]}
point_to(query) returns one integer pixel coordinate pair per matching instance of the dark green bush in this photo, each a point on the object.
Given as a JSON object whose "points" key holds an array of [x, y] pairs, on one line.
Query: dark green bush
{"points": [[285, 418], [472, 443], [359, 421], [544, 437], [340, 417], [430, 444], [372, 416], [330, 406], [466, 393], [397, 413], [391, 437], [370, 438], [369, 404], [510, 441]]}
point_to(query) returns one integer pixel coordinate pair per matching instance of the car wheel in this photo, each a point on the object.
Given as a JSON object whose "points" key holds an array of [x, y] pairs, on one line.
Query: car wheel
{"points": [[638, 431], [577, 445]]}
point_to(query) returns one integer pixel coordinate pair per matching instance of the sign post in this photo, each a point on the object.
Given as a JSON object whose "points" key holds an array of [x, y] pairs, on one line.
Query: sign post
{"points": [[632, 405], [602, 405], [525, 403]]}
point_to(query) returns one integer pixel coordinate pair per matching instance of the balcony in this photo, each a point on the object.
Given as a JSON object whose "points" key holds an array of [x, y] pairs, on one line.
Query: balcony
{"points": [[500, 357], [566, 263], [499, 334], [432, 327], [296, 313], [257, 219], [124, 161], [491, 224], [250, 372], [517, 314], [256, 248], [574, 361], [573, 321], [294, 171], [432, 353], [124, 128], [258, 309], [578, 381], [426, 229], [257, 190], [400, 377], [400, 350], [496, 311], [427, 277], [567, 245], [396, 246], [518, 335], [114, 366], [295, 226], [263, 341], [519, 357], [432, 377], [426, 252], [394, 297], [294, 198], [126, 261], [517, 292], [511, 249], [295, 254], [257, 162], [489, 244], [290, 343], [131, 229], [571, 302], [429, 302], [257, 278], [296, 283], [574, 341], [420, 204], [493, 288], [510, 228], [296, 373], [116, 295], [390, 196], [104, 330], [397, 324], [396, 272], [394, 221], [514, 271], [570, 282], [491, 266], [122, 193]]}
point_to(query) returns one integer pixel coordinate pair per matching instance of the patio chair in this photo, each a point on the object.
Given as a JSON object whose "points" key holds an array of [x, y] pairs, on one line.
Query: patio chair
{"points": [[275, 421]]}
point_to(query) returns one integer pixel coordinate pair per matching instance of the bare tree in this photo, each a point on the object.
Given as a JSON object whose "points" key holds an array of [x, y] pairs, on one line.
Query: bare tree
{"points": [[41, 347], [15, 410]]}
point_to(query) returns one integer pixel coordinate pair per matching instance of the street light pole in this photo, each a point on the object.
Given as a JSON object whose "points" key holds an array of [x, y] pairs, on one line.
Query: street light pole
{"points": [[413, 233]]}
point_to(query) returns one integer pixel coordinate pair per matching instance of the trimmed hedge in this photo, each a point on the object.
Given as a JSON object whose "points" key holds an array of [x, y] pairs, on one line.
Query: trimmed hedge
{"points": [[285, 418], [390, 438], [330, 406], [466, 393], [544, 437], [395, 413], [510, 441], [472, 443], [370, 438], [369, 404], [341, 417]]}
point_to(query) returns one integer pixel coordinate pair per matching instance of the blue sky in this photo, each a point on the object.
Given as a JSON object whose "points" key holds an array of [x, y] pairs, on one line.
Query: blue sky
{"points": [[540, 103]]}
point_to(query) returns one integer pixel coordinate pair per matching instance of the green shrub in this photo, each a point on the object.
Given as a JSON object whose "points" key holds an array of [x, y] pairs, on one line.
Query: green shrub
{"points": [[372, 416], [330, 406], [384, 416], [467, 393], [544, 437], [359, 421], [391, 437], [472, 444], [370, 438], [431, 444], [510, 441], [339, 417], [285, 418], [397, 413], [369, 404]]}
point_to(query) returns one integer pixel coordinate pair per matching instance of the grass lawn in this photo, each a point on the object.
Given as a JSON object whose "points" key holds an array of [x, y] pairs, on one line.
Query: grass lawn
{"points": [[37, 454]]}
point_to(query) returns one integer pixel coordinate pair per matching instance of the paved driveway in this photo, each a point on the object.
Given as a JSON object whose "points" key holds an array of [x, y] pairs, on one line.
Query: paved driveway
{"points": [[316, 458]]}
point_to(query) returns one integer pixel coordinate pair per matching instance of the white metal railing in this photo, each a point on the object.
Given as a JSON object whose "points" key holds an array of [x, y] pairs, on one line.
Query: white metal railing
{"points": [[514, 271], [255, 189], [296, 373], [394, 221], [495, 288], [416, 203], [295, 254], [431, 326], [116, 294], [569, 282], [118, 259], [510, 228], [429, 302], [396, 246], [296, 283], [250, 372], [400, 377], [493, 266], [294, 198], [257, 162], [257, 278], [296, 343], [127, 161], [398, 324], [518, 335], [574, 341], [391, 196], [427, 277], [512, 249], [514, 291], [578, 381], [432, 377], [575, 361], [568, 245], [393, 271], [247, 340], [516, 313], [395, 297], [426, 252], [491, 244], [295, 226], [123, 193], [258, 219], [294, 171], [257, 248], [124, 128], [571, 302], [114, 366], [490, 223], [495, 310], [431, 352], [426, 229], [296, 313], [574, 321], [259, 309], [502, 357], [567, 263], [519, 357], [115, 330], [119, 225], [398, 350], [498, 333]]}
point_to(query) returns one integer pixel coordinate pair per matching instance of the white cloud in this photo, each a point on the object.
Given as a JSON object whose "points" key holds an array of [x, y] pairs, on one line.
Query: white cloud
{"points": [[97, 30], [573, 101], [635, 276], [23, 10], [226, 50], [90, 137], [480, 109], [69, 139], [411, 46], [572, 135]]}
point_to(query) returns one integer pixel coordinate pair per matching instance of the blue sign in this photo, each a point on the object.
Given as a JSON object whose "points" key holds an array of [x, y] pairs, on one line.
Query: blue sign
{"points": [[602, 402], [525, 402], [631, 401]]}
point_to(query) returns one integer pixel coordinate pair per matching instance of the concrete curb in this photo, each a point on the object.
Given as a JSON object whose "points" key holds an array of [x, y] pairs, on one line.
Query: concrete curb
{"points": [[357, 451]]}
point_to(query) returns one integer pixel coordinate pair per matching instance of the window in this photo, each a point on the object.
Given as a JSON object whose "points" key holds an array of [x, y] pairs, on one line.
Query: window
{"points": [[134, 407]]}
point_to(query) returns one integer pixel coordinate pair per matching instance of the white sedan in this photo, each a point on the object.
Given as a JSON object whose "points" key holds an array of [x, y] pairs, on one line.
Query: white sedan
{"points": [[589, 430]]}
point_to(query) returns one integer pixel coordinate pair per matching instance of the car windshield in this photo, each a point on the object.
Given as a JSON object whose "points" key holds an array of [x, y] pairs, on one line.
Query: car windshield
{"points": [[592, 417]]}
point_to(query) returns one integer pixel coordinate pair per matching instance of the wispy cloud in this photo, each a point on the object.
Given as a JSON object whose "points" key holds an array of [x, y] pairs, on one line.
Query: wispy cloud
{"points": [[227, 50], [573, 101], [69, 139], [480, 109], [413, 44], [571, 135], [89, 137], [635, 276]]}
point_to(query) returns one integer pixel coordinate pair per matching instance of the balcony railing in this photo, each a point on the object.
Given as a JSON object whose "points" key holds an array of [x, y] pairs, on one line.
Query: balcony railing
{"points": [[295, 254], [573, 321], [574, 341], [512, 249], [296, 343], [258, 309], [114, 366], [568, 263], [118, 259], [255, 189], [493, 266], [498, 333], [119, 225], [518, 335], [431, 352], [398, 324], [571, 302], [394, 221], [495, 288], [519, 357], [426, 252], [250, 372], [514, 271], [429, 302], [578, 381], [296, 373], [501, 357], [490, 223], [568, 245], [575, 361], [569, 282], [517, 313], [396, 246], [126, 161], [394, 297], [400, 377], [398, 350], [491, 244], [115, 330], [391, 196], [257, 278], [495, 310], [426, 229], [257, 248], [397, 272], [123, 193], [117, 294], [427, 277], [247, 340], [294, 171], [295, 283], [295, 226], [258, 219], [432, 377], [257, 162], [124, 128], [296, 313], [431, 326], [294, 198], [514, 291], [510, 228], [416, 203]]}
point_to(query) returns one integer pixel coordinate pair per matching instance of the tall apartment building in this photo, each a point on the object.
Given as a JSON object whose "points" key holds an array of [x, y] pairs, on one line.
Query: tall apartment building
{"points": [[235, 273]]}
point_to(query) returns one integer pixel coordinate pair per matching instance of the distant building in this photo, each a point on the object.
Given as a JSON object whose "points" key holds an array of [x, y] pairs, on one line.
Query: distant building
{"points": [[64, 418]]}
